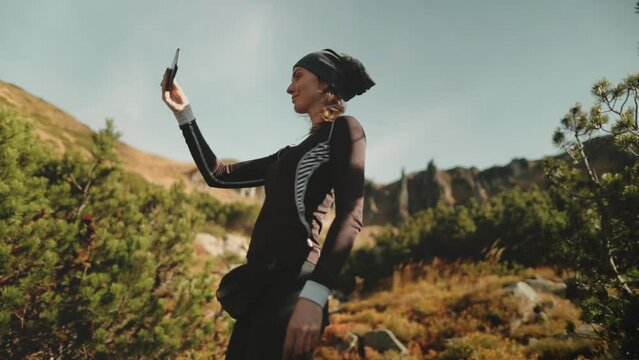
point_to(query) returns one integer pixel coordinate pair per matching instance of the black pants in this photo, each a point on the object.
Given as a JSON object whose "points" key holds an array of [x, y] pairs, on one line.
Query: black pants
{"points": [[261, 334]]}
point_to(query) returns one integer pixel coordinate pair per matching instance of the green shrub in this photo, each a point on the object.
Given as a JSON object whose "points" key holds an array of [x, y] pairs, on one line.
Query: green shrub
{"points": [[222, 217], [515, 228], [93, 260]]}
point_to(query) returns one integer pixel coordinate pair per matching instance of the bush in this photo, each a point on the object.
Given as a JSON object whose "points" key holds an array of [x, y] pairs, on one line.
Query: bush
{"points": [[515, 227], [236, 216], [93, 260], [600, 243]]}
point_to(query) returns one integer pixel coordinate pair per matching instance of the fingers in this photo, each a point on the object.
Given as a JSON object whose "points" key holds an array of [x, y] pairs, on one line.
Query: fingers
{"points": [[303, 330], [287, 354], [305, 344], [179, 94], [166, 96], [166, 74], [172, 104], [176, 92], [165, 92], [174, 98], [314, 340], [299, 343]]}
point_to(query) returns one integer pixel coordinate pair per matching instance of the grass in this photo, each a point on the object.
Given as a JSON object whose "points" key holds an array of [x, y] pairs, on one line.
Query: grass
{"points": [[458, 310], [438, 310]]}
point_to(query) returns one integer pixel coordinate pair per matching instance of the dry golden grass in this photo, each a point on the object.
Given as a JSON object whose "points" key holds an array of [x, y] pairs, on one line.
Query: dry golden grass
{"points": [[438, 310], [457, 310]]}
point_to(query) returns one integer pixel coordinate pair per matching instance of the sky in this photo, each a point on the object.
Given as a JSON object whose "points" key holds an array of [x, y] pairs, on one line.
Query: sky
{"points": [[464, 83]]}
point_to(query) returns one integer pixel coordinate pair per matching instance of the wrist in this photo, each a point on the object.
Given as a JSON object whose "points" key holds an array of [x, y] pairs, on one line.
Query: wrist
{"points": [[185, 115], [315, 292]]}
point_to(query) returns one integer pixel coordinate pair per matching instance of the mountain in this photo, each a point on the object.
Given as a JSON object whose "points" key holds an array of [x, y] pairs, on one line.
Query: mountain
{"points": [[423, 189], [384, 203], [63, 132]]}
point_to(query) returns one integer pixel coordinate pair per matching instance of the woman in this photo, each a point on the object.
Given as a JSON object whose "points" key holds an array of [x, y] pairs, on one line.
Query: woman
{"points": [[301, 182]]}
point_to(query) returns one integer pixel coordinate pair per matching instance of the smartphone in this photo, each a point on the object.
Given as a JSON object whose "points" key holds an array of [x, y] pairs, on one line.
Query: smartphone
{"points": [[173, 70]]}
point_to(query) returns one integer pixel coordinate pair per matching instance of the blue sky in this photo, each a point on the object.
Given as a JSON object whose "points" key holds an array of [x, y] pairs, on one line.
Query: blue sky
{"points": [[466, 83]]}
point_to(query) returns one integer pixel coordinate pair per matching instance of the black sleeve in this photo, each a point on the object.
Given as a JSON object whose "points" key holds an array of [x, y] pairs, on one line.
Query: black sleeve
{"points": [[348, 150], [217, 174]]}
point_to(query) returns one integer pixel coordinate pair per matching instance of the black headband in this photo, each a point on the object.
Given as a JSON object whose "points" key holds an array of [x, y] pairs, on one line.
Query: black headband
{"points": [[343, 73]]}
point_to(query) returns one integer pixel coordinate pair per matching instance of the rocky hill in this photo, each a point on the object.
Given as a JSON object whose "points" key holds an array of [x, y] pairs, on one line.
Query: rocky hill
{"points": [[385, 203], [423, 189], [63, 132]]}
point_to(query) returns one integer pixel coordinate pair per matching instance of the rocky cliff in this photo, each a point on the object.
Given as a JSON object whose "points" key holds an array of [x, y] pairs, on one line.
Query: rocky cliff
{"points": [[383, 204], [423, 189]]}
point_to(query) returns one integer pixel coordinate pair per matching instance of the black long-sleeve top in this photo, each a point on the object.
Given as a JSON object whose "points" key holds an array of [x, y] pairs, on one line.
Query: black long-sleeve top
{"points": [[301, 182]]}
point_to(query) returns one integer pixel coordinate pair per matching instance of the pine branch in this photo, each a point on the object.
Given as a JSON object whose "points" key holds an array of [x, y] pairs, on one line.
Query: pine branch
{"points": [[87, 187], [625, 101], [591, 172], [636, 109]]}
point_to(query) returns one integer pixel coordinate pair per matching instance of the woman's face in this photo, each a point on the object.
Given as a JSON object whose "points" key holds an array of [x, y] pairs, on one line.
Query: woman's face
{"points": [[305, 90]]}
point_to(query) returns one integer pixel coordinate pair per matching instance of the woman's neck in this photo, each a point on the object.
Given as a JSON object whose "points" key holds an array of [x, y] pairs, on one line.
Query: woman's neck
{"points": [[316, 117]]}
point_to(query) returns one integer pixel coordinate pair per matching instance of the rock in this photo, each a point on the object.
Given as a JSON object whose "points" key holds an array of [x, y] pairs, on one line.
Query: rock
{"points": [[524, 292], [588, 331], [382, 340], [216, 246], [548, 304], [348, 343], [458, 185], [236, 244], [541, 317], [527, 296], [541, 284], [515, 324], [584, 331]]}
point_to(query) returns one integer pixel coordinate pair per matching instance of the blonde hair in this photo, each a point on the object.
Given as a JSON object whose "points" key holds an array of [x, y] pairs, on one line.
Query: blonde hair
{"points": [[333, 106]]}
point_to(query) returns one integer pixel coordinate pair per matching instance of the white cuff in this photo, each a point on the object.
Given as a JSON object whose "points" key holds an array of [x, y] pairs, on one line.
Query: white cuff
{"points": [[315, 292], [184, 116]]}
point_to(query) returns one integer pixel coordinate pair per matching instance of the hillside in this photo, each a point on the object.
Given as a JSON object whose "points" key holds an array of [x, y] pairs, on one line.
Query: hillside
{"points": [[384, 203], [431, 311], [446, 311], [64, 132], [423, 189]]}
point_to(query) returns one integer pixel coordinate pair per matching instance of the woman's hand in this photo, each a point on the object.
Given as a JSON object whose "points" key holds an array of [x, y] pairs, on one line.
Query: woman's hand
{"points": [[175, 99], [303, 332]]}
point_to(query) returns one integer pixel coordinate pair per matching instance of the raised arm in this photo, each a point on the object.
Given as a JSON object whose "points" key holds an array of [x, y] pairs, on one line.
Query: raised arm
{"points": [[216, 173], [348, 150]]}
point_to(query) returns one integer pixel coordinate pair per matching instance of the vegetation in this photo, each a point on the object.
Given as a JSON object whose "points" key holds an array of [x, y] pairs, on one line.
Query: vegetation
{"points": [[586, 223], [523, 225], [94, 261], [221, 217], [601, 237], [97, 262], [459, 310]]}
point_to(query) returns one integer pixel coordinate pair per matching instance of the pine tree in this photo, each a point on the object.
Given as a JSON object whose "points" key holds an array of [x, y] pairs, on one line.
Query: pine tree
{"points": [[94, 261], [601, 243]]}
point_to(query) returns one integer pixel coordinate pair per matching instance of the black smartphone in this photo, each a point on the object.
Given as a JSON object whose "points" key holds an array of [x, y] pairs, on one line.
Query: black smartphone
{"points": [[173, 70]]}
